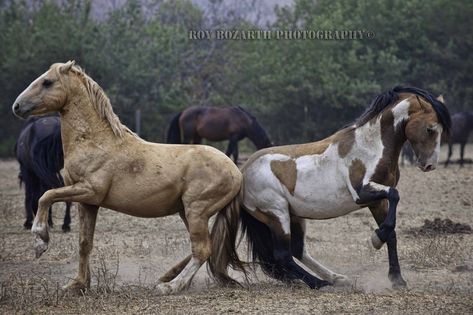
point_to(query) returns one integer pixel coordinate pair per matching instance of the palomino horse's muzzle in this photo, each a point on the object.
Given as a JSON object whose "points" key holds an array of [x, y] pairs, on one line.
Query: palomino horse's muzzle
{"points": [[22, 110]]}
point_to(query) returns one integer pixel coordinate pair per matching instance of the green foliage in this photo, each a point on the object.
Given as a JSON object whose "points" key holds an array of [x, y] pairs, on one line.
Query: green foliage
{"points": [[301, 90]]}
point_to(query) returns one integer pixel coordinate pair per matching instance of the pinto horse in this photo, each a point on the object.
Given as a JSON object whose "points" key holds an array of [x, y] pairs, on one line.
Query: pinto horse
{"points": [[108, 165], [217, 124], [462, 125], [38, 149], [357, 167]]}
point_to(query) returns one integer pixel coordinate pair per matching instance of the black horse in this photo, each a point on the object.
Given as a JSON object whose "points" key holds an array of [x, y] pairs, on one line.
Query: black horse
{"points": [[217, 124], [39, 152], [462, 124]]}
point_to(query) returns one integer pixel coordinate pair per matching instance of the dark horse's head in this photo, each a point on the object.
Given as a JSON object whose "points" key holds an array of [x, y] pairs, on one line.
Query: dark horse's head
{"points": [[255, 132]]}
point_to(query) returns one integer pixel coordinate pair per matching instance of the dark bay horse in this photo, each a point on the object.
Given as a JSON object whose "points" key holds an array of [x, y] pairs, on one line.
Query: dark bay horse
{"points": [[355, 168], [462, 125], [217, 124], [39, 152]]}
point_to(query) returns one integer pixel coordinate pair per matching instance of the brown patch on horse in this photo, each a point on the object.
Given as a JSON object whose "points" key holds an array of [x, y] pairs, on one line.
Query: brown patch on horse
{"points": [[357, 172], [136, 166], [293, 151], [345, 139], [286, 173]]}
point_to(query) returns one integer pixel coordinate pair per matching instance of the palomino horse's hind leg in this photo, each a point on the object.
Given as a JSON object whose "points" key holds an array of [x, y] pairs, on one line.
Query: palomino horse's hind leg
{"points": [[177, 269], [201, 249], [379, 212], [299, 251], [87, 219]]}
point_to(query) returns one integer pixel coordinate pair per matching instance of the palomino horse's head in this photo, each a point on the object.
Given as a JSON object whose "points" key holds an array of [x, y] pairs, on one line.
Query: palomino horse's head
{"points": [[427, 119], [46, 94]]}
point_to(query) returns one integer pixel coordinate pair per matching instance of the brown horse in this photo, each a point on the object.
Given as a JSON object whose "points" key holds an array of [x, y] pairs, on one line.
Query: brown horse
{"points": [[107, 165], [355, 168], [217, 124]]}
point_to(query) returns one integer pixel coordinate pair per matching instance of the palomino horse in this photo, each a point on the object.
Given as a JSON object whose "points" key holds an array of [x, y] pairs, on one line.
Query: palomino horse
{"points": [[39, 152], [108, 165], [217, 124], [357, 167], [462, 125]]}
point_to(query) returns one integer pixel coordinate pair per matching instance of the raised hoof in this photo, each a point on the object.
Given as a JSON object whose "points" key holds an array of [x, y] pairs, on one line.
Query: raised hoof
{"points": [[40, 246], [75, 287], [376, 241], [342, 281], [66, 228]]}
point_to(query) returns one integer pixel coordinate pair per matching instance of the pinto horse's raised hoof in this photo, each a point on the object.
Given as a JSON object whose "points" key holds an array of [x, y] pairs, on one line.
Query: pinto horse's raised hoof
{"points": [[376, 241], [40, 246]]}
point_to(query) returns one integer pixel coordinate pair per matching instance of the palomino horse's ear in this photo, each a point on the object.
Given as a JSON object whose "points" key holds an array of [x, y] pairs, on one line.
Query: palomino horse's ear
{"points": [[67, 66], [440, 98]]}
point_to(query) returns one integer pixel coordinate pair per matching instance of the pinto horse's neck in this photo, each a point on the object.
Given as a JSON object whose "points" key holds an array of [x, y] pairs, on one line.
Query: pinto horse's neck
{"points": [[392, 135]]}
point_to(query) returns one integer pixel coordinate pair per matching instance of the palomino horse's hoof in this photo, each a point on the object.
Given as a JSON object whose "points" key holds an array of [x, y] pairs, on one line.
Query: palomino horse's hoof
{"points": [[376, 241], [75, 287], [164, 289], [40, 246]]}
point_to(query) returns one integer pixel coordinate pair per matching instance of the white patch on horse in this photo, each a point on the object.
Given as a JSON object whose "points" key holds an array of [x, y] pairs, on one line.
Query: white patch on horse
{"points": [[379, 187], [434, 158], [401, 112]]}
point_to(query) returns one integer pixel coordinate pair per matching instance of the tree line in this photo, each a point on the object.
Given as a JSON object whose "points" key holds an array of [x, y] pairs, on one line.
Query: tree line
{"points": [[300, 89]]}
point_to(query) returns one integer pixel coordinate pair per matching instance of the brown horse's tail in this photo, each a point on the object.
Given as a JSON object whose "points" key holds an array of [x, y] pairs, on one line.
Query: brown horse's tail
{"points": [[174, 130], [224, 235]]}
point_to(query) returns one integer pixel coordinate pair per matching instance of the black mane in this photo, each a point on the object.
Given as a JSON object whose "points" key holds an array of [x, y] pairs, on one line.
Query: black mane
{"points": [[382, 101]]}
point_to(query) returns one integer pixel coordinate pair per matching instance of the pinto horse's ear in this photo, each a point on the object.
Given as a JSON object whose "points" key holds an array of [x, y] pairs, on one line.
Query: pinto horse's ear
{"points": [[440, 98], [67, 66]]}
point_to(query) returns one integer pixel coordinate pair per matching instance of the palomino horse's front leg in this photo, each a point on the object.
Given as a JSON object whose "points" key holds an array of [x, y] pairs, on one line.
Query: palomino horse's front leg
{"points": [[77, 192], [87, 218], [379, 212]]}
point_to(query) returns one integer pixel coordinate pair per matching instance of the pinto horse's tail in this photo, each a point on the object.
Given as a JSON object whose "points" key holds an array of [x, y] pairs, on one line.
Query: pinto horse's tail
{"points": [[224, 243], [260, 246], [174, 131]]}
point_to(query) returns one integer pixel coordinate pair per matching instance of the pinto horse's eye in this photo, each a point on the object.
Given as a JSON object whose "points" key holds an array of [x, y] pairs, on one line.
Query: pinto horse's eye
{"points": [[430, 131], [47, 83]]}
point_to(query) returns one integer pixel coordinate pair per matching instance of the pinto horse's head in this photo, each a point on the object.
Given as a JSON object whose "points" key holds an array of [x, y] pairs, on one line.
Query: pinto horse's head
{"points": [[427, 118], [45, 94]]}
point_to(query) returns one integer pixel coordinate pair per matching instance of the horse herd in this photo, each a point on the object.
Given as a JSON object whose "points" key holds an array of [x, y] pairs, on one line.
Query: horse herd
{"points": [[268, 199]]}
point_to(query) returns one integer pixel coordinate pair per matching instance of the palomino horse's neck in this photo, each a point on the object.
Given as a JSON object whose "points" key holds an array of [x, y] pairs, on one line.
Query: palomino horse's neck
{"points": [[80, 121]]}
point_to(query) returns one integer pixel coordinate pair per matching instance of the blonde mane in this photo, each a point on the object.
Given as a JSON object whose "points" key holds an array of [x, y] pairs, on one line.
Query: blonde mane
{"points": [[100, 101]]}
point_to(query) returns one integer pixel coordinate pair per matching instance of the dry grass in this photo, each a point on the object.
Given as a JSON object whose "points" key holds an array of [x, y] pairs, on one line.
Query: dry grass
{"points": [[131, 253]]}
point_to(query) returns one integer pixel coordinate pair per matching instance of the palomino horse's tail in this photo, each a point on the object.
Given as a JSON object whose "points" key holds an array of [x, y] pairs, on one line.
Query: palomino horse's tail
{"points": [[260, 245], [224, 235], [174, 131]]}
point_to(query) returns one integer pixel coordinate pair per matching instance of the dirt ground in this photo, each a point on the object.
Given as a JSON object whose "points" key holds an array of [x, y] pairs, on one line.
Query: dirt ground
{"points": [[131, 253]]}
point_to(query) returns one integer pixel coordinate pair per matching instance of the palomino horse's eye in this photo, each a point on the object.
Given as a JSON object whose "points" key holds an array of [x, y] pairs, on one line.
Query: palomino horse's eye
{"points": [[430, 131], [47, 83]]}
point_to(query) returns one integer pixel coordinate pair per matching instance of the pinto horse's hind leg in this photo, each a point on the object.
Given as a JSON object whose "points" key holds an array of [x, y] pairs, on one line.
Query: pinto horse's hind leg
{"points": [[379, 212], [87, 219], [279, 225], [300, 252]]}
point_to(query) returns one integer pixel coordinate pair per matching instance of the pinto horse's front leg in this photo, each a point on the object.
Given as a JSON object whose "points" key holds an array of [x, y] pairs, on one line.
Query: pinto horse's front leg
{"points": [[77, 192], [373, 192]]}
